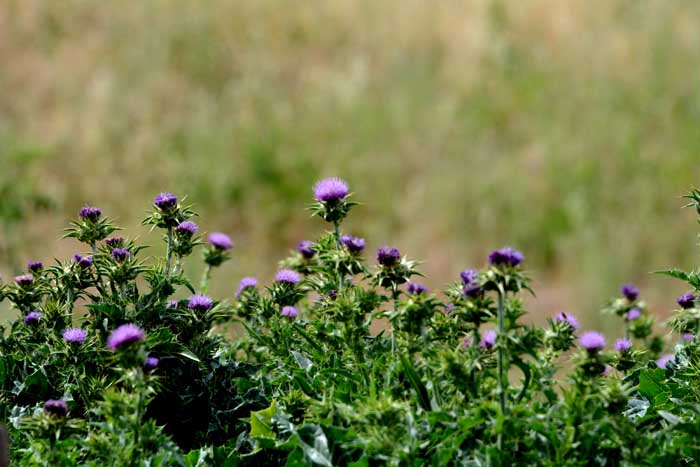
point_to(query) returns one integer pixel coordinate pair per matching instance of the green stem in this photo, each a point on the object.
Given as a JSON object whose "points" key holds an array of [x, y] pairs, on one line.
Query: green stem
{"points": [[204, 286], [139, 405], [336, 232], [168, 253], [502, 378]]}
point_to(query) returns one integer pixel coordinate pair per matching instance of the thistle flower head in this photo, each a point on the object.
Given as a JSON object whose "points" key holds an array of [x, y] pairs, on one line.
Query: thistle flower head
{"points": [[623, 345], [289, 312], [187, 228], [74, 336], [25, 280], [90, 213], [84, 262], [124, 335], [165, 201], [592, 341], [388, 256], [114, 242], [150, 364], [246, 283], [472, 290], [665, 360], [630, 291], [35, 266], [568, 318], [506, 256], [353, 244], [466, 342], [287, 276], [171, 304], [687, 300], [305, 247], [488, 340], [56, 407], [120, 254], [331, 190], [220, 241], [416, 289], [468, 276], [633, 314], [32, 317], [687, 336], [200, 303]]}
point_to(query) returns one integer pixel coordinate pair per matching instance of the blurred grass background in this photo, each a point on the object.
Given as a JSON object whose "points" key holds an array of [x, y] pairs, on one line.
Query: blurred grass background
{"points": [[568, 129]]}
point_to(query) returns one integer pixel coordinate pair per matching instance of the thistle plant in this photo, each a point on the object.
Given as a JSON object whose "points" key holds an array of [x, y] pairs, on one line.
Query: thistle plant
{"points": [[348, 358]]}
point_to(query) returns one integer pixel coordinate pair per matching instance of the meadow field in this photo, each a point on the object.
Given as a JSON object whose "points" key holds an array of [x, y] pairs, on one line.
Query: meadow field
{"points": [[567, 129]]}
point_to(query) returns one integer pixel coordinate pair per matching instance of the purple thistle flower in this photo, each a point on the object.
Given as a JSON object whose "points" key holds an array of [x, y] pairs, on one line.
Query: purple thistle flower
{"points": [[472, 290], [468, 276], [120, 254], [305, 247], [114, 242], [506, 256], [416, 289], [35, 266], [56, 407], [466, 342], [388, 256], [287, 276], [32, 317], [592, 341], [488, 340], [124, 335], [187, 228], [687, 336], [220, 241], [353, 244], [607, 371], [665, 360], [331, 190], [200, 303], [630, 291], [289, 312], [151, 363], [165, 201], [84, 262], [568, 318], [172, 304], [687, 300], [90, 213], [25, 280], [74, 336], [633, 314], [623, 345], [246, 283], [449, 309]]}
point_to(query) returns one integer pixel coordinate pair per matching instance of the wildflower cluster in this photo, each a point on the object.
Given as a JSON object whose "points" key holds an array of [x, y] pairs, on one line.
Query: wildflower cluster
{"points": [[348, 358]]}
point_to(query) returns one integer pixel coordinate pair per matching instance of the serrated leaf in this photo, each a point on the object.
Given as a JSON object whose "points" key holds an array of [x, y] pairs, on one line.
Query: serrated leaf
{"points": [[637, 408], [261, 422], [677, 273]]}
